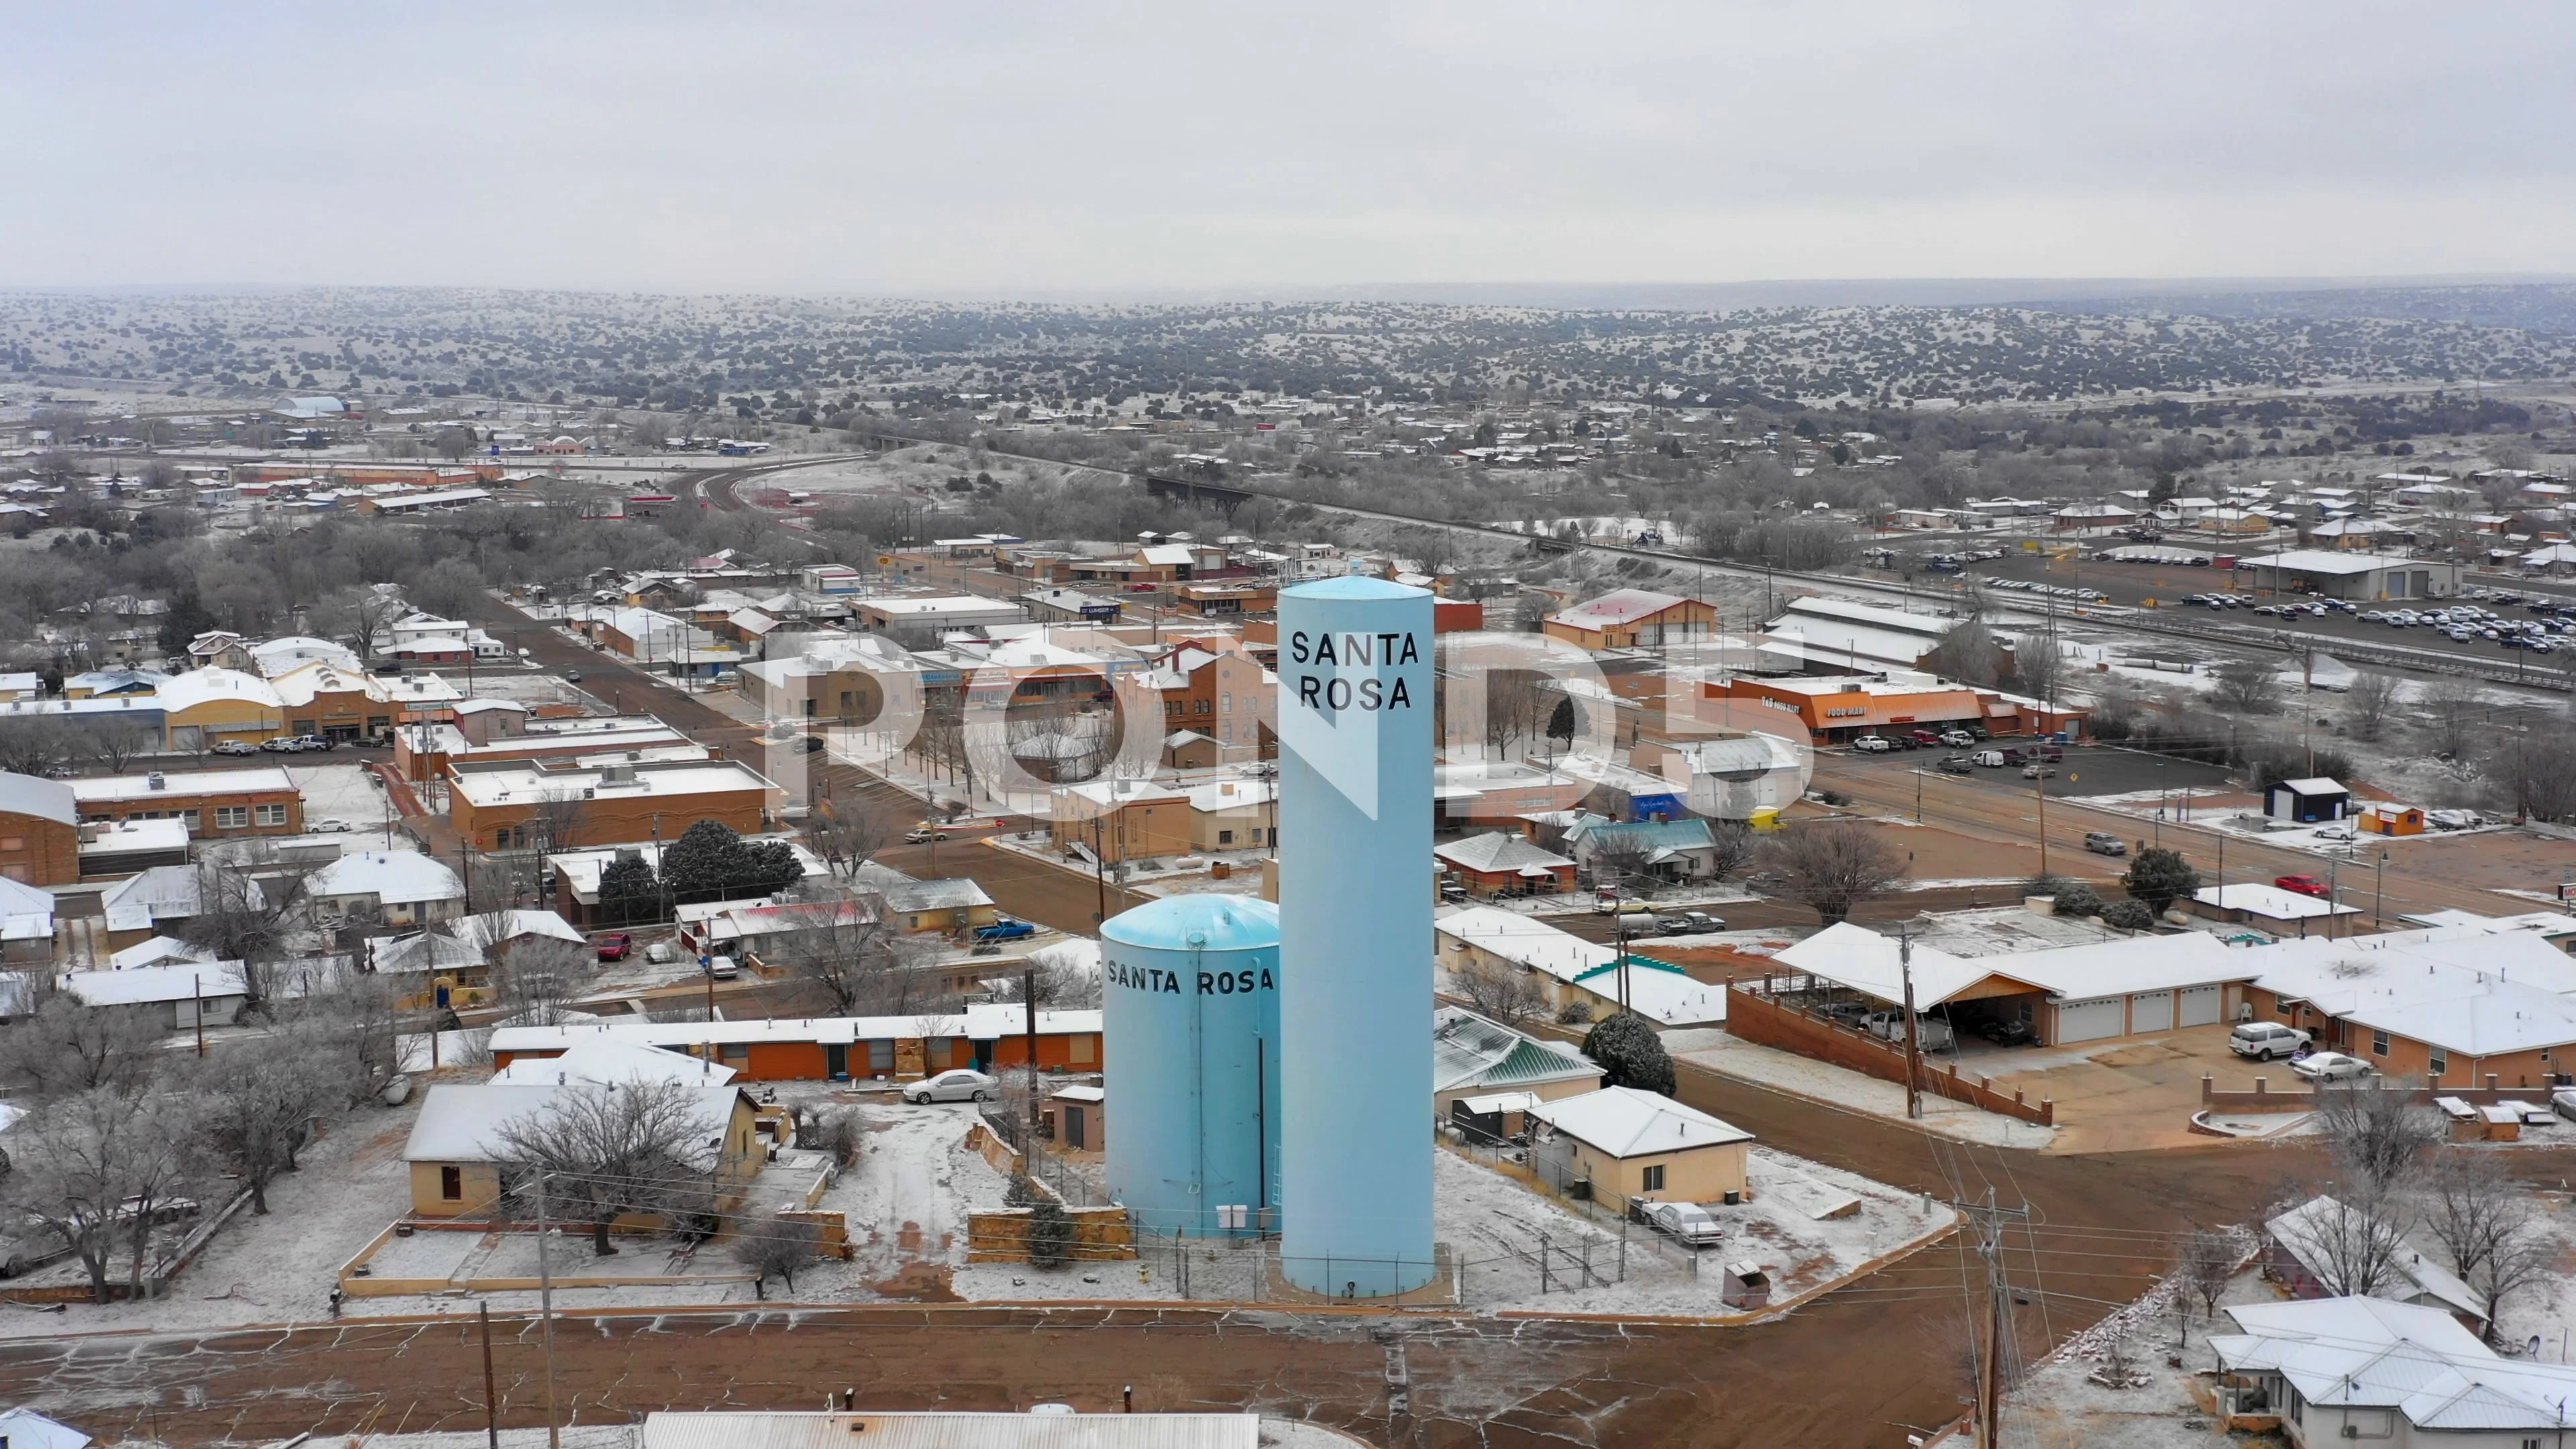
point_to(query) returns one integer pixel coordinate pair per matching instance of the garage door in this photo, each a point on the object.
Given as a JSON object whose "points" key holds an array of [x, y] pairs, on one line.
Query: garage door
{"points": [[2202, 1005], [2151, 1011], [2091, 1020]]}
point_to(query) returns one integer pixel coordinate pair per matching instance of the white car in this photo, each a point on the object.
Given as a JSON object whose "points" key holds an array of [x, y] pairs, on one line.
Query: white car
{"points": [[2332, 1067], [1686, 1221], [330, 825], [2263, 1040], [957, 1085], [1873, 744]]}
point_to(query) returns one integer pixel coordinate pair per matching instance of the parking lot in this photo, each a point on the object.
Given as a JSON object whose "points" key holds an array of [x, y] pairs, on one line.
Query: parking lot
{"points": [[2084, 770]]}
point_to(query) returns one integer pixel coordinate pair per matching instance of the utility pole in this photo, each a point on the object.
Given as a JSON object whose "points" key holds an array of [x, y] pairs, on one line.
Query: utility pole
{"points": [[2379, 890], [1029, 1021], [491, 1399], [546, 1314], [1913, 1047], [1989, 1221], [197, 990]]}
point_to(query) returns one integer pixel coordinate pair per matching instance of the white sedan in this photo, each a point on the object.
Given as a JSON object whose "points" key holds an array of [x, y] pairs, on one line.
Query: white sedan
{"points": [[960, 1085], [2332, 1067]]}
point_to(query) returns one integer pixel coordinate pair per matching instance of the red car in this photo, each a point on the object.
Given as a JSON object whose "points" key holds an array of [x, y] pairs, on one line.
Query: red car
{"points": [[2306, 885], [615, 947]]}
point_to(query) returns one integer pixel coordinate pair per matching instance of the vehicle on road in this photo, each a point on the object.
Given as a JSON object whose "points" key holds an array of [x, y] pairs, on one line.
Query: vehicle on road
{"points": [[923, 834], [282, 745], [329, 825], [1005, 928], [2306, 885], [2332, 1067], [2261, 1041], [1931, 1033], [2037, 772], [2103, 842], [1685, 923], [959, 1084], [1990, 759], [572, 676], [1955, 765], [616, 946], [1686, 1222], [236, 747]]}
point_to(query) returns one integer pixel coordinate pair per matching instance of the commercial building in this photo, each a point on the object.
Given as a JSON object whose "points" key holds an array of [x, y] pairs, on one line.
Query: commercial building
{"points": [[39, 831], [497, 805], [2339, 574], [209, 802], [1836, 709], [1633, 619], [919, 623], [840, 1048], [207, 707], [1819, 635]]}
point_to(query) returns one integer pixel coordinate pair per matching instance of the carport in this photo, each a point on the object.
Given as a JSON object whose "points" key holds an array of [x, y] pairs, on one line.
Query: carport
{"points": [[2134, 986]]}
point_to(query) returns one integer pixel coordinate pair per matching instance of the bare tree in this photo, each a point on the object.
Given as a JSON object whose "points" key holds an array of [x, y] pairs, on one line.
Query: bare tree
{"points": [[776, 1246], [842, 948], [1829, 866], [2378, 1134], [35, 744], [1621, 858], [848, 838], [66, 1048], [237, 920], [2203, 1267], [2485, 1225], [114, 742], [1499, 989], [2351, 1242], [836, 1133], [2370, 702], [1732, 845], [2248, 686], [538, 978], [1519, 703], [97, 1172], [1062, 980], [606, 1151], [354, 1026], [2534, 774], [256, 1109], [2454, 717]]}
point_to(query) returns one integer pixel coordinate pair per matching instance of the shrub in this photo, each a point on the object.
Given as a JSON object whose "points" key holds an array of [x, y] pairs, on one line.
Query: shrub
{"points": [[1051, 1234], [1630, 1054], [2128, 915], [2075, 898]]}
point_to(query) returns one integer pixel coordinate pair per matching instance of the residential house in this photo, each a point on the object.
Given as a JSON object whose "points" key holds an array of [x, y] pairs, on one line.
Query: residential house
{"points": [[1472, 1056], [1503, 863], [1630, 1144], [1570, 972], [173, 998], [1672, 851], [1633, 619], [395, 887], [2324, 1249], [2335, 1371], [459, 1144]]}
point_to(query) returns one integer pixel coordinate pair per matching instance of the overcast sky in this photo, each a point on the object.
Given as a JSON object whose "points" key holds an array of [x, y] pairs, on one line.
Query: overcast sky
{"points": [[1288, 148]]}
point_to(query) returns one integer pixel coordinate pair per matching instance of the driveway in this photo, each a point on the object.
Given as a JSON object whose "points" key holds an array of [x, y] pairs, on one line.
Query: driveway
{"points": [[2120, 1096]]}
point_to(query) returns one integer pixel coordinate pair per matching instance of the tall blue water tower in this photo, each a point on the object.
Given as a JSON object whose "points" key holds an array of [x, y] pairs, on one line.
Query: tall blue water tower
{"points": [[1190, 996], [1355, 709]]}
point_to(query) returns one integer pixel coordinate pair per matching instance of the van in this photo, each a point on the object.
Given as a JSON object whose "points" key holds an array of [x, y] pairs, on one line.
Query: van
{"points": [[1991, 759]]}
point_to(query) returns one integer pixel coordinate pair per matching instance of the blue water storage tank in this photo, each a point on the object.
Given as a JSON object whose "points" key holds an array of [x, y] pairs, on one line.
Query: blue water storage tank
{"points": [[1355, 711], [1190, 995]]}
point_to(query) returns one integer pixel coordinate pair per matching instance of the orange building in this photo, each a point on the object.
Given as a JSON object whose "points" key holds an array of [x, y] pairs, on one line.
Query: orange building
{"points": [[1839, 708], [836, 1048], [39, 831], [209, 802], [498, 805]]}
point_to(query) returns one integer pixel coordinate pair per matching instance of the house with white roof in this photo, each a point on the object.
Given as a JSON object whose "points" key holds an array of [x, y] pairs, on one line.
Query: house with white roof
{"points": [[398, 887], [462, 1138], [1629, 1143], [1570, 971], [1633, 619], [2458, 1003], [173, 997], [2340, 1370], [2324, 1249]]}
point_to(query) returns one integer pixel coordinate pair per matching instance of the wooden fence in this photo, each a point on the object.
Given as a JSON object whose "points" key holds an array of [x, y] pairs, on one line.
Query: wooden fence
{"points": [[1757, 1018]]}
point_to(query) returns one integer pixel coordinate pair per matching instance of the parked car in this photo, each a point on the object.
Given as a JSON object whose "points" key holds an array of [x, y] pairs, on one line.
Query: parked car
{"points": [[958, 1084], [1686, 1221], [2038, 772], [329, 825], [2332, 1067], [2008, 1031], [282, 745], [2261, 1041], [2306, 885], [1958, 739], [1990, 759], [1931, 1033], [723, 968], [616, 946], [1685, 923], [316, 742], [1005, 928], [236, 747], [1872, 745], [2103, 842]]}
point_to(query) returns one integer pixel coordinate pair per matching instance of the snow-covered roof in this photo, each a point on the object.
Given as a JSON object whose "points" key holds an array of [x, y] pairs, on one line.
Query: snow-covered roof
{"points": [[2311, 1230], [206, 686], [1470, 1052], [158, 951], [2269, 901], [147, 985], [391, 876], [960, 894], [604, 1061], [2373, 1353], [2313, 785], [1497, 851], [37, 796], [512, 925], [1523, 940], [1630, 1122], [464, 1122], [1865, 961], [1619, 606], [26, 1429]]}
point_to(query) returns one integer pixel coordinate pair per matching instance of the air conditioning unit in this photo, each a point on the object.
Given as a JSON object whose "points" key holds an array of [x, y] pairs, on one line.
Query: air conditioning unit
{"points": [[154, 781]]}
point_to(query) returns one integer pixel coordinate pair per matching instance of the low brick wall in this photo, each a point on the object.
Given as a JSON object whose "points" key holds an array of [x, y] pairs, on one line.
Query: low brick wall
{"points": [[1099, 1234], [2296, 1095], [1757, 1018]]}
